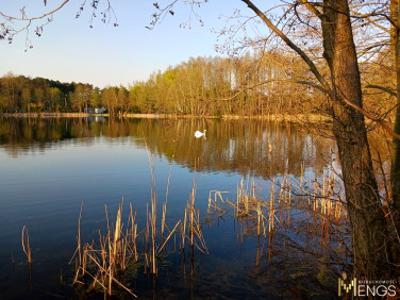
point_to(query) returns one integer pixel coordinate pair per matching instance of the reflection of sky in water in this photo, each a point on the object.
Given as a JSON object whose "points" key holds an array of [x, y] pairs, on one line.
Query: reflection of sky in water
{"points": [[43, 189]]}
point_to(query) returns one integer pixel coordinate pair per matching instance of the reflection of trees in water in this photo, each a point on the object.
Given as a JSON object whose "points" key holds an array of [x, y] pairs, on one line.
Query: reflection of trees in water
{"points": [[255, 147], [237, 145]]}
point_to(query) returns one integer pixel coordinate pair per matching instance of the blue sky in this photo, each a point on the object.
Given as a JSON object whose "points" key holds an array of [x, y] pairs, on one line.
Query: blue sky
{"points": [[70, 51]]}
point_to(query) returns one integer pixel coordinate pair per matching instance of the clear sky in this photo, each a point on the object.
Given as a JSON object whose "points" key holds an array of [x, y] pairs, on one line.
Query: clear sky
{"points": [[70, 51]]}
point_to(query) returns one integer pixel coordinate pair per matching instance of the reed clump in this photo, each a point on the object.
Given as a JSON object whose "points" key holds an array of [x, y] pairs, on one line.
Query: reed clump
{"points": [[326, 206], [101, 264], [291, 213], [252, 210], [214, 198], [262, 216], [191, 228]]}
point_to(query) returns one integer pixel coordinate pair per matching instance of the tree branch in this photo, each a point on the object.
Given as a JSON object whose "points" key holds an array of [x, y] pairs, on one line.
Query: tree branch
{"points": [[313, 68], [388, 90], [23, 18]]}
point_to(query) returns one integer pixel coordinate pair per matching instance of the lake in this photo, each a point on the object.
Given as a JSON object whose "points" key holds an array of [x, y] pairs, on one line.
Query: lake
{"points": [[49, 167]]}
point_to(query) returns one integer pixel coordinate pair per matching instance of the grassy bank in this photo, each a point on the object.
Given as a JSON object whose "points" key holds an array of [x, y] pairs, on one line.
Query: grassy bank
{"points": [[50, 115], [311, 118]]}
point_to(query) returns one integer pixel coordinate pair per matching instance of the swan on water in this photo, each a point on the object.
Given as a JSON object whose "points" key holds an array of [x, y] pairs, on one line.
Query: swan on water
{"points": [[198, 134]]}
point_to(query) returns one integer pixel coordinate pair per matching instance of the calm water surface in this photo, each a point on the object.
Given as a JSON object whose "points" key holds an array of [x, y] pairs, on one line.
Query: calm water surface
{"points": [[49, 166]]}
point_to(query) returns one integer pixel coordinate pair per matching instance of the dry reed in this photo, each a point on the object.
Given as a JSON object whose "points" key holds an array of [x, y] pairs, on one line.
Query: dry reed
{"points": [[102, 264], [116, 250], [195, 233], [26, 247]]}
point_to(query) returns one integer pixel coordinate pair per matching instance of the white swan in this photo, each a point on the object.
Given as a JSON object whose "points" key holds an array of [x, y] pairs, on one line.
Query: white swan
{"points": [[198, 134]]}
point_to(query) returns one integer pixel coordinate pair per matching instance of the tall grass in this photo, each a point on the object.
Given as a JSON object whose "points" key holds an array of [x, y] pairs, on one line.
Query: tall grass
{"points": [[262, 217], [101, 264]]}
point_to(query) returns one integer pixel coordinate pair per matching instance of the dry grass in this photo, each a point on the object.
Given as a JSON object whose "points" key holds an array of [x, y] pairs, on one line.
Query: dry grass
{"points": [[252, 210], [191, 227], [214, 197], [262, 217], [101, 264]]}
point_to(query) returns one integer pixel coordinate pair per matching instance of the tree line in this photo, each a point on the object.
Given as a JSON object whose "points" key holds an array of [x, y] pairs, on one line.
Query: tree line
{"points": [[251, 85], [21, 94], [262, 84]]}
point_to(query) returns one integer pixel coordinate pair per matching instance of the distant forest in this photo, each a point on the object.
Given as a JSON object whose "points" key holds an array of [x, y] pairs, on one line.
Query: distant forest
{"points": [[200, 86], [258, 84]]}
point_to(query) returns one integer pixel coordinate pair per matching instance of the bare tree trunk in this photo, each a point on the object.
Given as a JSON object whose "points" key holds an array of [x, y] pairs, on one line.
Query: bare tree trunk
{"points": [[371, 237], [395, 169], [369, 228], [369, 231]]}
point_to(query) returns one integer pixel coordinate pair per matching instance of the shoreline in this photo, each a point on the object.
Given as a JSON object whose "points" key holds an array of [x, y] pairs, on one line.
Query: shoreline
{"points": [[312, 118]]}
